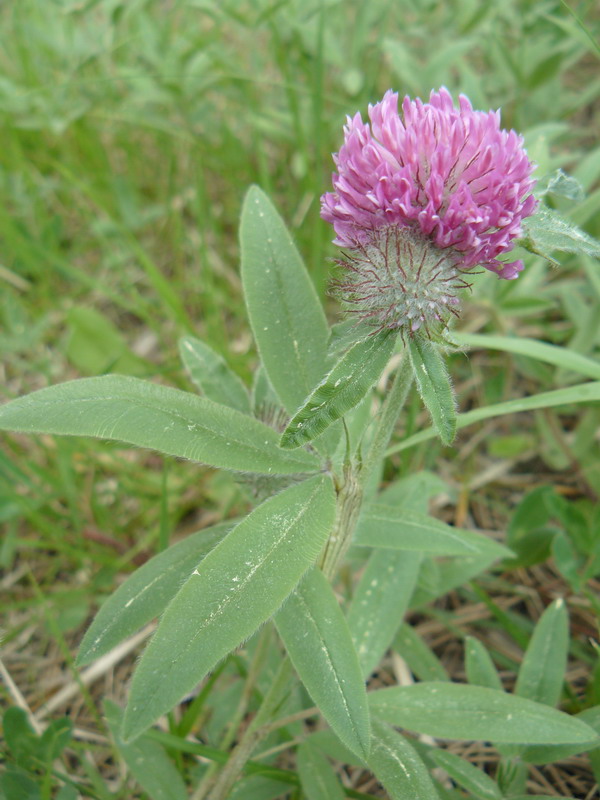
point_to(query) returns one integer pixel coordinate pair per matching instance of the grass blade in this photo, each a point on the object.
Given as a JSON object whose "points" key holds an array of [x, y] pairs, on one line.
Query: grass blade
{"points": [[542, 351], [580, 393]]}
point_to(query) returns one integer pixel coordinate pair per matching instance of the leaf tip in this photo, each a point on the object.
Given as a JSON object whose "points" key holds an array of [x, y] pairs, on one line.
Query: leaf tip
{"points": [[83, 657], [131, 728], [290, 439]]}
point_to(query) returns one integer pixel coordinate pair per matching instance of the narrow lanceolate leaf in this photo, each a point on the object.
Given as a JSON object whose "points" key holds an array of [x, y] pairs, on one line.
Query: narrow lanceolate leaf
{"points": [[145, 414], [344, 387], [480, 668], [317, 778], [549, 754], [147, 761], [542, 672], [317, 639], [402, 529], [434, 386], [421, 660], [547, 231], [440, 577], [387, 586], [413, 491], [380, 603], [459, 711], [239, 585], [466, 775], [259, 787], [147, 592], [212, 376], [286, 316], [398, 767]]}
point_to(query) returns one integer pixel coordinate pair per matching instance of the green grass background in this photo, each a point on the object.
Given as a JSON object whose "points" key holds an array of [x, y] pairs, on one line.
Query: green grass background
{"points": [[129, 133]]}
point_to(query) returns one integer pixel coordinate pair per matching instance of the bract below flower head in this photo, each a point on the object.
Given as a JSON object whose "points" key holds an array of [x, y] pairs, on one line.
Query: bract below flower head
{"points": [[438, 178]]}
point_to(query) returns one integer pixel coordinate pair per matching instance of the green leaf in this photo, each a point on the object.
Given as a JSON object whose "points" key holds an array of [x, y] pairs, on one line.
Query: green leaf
{"points": [[317, 638], [548, 754], [329, 744], [258, 787], [560, 184], [67, 792], [96, 346], [16, 785], [55, 738], [434, 386], [440, 577], [580, 393], [147, 761], [568, 561], [286, 316], [397, 766], [344, 334], [547, 231], [380, 602], [466, 775], [414, 491], [317, 778], [459, 711], [146, 593], [541, 351], [343, 388], [402, 529], [263, 394], [421, 660], [542, 671], [237, 587], [21, 739], [148, 415], [212, 376], [479, 665]]}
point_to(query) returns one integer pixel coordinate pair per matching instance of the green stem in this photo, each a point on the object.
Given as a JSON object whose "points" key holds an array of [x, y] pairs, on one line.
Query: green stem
{"points": [[392, 406], [256, 731], [349, 502], [351, 493], [256, 665], [250, 768]]}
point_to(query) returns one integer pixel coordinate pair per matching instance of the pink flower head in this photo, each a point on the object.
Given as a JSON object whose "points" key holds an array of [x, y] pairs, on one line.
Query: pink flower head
{"points": [[445, 178]]}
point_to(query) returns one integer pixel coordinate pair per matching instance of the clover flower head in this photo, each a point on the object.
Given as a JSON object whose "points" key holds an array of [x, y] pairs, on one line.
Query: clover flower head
{"points": [[422, 198]]}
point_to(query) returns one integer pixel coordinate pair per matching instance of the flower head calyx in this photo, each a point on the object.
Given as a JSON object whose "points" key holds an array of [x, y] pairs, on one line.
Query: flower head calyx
{"points": [[419, 200]]}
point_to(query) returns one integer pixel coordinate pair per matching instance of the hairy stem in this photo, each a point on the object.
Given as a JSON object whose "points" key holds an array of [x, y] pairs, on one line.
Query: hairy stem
{"points": [[351, 493], [256, 665], [349, 502], [388, 417], [256, 731]]}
